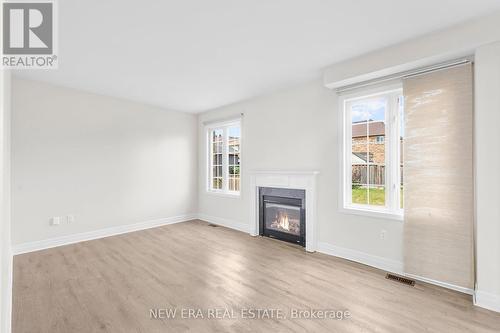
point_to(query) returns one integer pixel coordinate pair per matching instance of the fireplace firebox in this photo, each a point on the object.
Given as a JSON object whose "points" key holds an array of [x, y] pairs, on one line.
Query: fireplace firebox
{"points": [[282, 214]]}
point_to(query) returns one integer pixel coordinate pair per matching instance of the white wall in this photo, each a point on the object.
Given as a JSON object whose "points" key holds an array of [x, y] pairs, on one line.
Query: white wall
{"points": [[296, 129], [479, 38], [462, 39], [5, 221], [112, 162], [108, 161], [271, 140], [487, 150]]}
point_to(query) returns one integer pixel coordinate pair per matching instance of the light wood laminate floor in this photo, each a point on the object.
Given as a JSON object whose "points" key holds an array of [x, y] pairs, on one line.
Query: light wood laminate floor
{"points": [[110, 285]]}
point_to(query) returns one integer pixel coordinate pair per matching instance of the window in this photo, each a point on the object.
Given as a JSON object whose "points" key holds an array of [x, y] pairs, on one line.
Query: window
{"points": [[372, 168], [224, 147]]}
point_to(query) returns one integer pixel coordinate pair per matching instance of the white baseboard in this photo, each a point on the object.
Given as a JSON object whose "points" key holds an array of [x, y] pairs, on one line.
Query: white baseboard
{"points": [[384, 264], [464, 290], [225, 222], [101, 233], [487, 300]]}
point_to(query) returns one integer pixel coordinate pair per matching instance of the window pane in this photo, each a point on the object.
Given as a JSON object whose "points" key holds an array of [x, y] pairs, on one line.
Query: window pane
{"points": [[359, 187], [237, 183], [217, 183], [234, 146], [217, 135], [368, 146], [218, 159], [234, 183], [234, 134], [217, 147], [376, 165], [359, 155], [376, 195], [234, 159], [225, 158]]}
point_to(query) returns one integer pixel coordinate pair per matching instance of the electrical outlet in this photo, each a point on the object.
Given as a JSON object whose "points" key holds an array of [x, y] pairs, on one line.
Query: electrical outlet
{"points": [[70, 218], [56, 220], [383, 234]]}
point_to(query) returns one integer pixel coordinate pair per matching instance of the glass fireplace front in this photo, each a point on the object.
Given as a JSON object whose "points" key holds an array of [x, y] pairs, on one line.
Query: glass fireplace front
{"points": [[282, 214], [284, 218]]}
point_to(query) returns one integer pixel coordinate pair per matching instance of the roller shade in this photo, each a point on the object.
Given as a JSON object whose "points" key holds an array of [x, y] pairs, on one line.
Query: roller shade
{"points": [[438, 162]]}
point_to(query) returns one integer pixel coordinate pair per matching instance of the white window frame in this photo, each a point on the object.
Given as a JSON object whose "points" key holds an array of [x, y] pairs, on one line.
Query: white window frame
{"points": [[392, 209], [225, 158]]}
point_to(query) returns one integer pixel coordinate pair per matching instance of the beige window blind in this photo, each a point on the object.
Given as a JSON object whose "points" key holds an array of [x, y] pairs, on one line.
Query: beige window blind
{"points": [[438, 164]]}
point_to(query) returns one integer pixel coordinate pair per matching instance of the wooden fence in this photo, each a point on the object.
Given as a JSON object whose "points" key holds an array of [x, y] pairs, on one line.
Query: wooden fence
{"points": [[360, 174], [377, 175]]}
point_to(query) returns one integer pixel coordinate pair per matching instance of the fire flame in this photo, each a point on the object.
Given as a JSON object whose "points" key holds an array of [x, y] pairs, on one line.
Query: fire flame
{"points": [[283, 222]]}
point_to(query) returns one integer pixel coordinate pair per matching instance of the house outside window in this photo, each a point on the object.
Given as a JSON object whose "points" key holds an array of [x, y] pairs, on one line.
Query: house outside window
{"points": [[372, 166], [224, 158]]}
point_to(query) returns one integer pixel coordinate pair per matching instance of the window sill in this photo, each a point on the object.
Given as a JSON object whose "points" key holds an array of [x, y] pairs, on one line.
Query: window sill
{"points": [[235, 195], [379, 214]]}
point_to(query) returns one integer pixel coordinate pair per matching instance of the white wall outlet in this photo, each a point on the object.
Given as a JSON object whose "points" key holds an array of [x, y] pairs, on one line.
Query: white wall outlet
{"points": [[383, 234], [56, 220], [70, 218]]}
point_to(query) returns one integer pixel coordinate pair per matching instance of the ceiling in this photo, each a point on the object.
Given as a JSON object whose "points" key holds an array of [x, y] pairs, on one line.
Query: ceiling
{"points": [[196, 55]]}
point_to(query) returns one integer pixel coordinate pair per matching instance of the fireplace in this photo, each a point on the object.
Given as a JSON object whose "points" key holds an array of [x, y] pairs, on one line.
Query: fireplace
{"points": [[282, 214]]}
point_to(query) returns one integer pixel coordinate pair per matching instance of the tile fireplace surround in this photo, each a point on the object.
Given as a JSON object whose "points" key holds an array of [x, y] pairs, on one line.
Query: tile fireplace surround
{"points": [[304, 180]]}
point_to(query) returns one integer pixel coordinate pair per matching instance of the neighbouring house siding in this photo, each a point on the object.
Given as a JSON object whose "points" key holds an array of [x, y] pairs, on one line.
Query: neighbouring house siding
{"points": [[376, 150]]}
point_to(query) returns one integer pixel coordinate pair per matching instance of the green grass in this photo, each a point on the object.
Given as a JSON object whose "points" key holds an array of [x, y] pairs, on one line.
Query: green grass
{"points": [[360, 196], [377, 196]]}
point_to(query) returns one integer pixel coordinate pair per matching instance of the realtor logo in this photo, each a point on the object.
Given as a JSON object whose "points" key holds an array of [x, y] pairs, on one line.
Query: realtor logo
{"points": [[28, 35]]}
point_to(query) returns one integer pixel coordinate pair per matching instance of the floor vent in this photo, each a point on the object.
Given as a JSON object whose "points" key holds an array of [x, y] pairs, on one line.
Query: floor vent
{"points": [[400, 279], [212, 225]]}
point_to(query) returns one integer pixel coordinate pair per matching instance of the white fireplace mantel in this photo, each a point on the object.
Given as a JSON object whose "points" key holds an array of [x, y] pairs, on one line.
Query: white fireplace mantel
{"points": [[303, 180]]}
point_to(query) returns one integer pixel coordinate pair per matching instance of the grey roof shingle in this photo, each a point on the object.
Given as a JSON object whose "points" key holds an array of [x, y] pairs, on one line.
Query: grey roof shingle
{"points": [[375, 128]]}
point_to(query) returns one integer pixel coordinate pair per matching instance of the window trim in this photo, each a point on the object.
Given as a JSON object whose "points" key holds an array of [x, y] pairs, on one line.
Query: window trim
{"points": [[392, 208], [224, 192]]}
